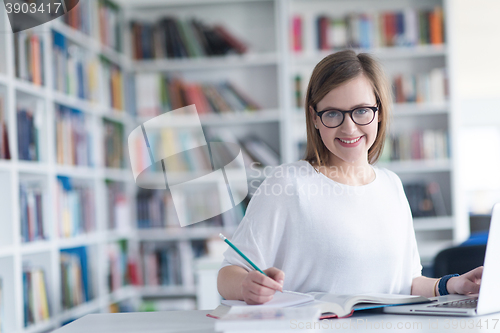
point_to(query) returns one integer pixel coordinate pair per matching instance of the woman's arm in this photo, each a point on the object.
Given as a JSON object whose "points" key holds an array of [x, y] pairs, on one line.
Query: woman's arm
{"points": [[464, 284], [234, 282]]}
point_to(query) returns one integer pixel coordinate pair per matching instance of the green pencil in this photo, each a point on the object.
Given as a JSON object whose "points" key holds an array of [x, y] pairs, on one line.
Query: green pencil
{"points": [[240, 253]]}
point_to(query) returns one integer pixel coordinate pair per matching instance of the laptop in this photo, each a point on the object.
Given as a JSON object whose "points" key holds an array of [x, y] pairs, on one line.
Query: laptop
{"points": [[487, 301]]}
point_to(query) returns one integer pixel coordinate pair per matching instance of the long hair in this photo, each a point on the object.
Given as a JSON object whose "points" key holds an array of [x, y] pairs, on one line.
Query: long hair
{"points": [[333, 71]]}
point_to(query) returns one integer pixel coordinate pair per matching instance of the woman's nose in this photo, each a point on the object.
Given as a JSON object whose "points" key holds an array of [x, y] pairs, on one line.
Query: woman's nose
{"points": [[348, 126]]}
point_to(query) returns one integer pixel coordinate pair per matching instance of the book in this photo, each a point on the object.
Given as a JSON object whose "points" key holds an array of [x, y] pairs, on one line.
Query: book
{"points": [[113, 144], [76, 277], [408, 27], [28, 48], [75, 207], [31, 211], [330, 305], [35, 296], [171, 37]]}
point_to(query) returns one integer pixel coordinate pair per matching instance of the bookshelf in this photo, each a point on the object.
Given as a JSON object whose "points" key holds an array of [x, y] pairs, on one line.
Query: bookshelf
{"points": [[110, 115]]}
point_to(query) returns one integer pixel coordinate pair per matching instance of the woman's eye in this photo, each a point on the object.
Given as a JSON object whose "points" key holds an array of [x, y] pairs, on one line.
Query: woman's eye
{"points": [[332, 114], [361, 111]]}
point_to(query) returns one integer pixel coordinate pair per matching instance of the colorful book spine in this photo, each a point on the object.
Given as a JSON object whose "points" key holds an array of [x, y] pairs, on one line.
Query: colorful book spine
{"points": [[35, 296], [75, 208], [73, 138], [113, 144], [31, 211], [162, 264], [4, 133], [79, 16], [28, 48], [118, 206], [109, 24], [124, 266], [76, 277], [409, 27], [74, 69], [171, 37], [112, 85]]}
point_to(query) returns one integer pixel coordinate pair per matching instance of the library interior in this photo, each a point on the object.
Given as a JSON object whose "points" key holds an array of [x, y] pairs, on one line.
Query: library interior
{"points": [[80, 235]]}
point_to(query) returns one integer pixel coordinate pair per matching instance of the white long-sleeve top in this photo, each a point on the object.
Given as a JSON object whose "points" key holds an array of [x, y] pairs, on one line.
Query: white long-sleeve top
{"points": [[327, 236]]}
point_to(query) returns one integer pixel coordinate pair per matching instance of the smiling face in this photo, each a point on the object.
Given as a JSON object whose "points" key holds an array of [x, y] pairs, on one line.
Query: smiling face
{"points": [[349, 142]]}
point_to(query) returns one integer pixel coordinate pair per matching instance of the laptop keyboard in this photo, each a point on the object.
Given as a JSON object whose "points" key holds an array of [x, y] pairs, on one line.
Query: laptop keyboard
{"points": [[464, 303]]}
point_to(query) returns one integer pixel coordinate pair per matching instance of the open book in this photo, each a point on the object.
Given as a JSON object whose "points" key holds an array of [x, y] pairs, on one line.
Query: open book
{"points": [[343, 305], [330, 305]]}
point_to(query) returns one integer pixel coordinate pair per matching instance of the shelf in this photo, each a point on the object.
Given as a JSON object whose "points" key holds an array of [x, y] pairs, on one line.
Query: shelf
{"points": [[122, 294], [196, 177], [6, 251], [80, 240], [169, 234], [433, 223], [167, 291], [36, 247], [32, 167], [382, 53], [116, 235], [420, 109], [217, 62], [79, 311], [45, 326], [121, 175], [417, 166], [76, 171], [30, 88], [5, 165]]}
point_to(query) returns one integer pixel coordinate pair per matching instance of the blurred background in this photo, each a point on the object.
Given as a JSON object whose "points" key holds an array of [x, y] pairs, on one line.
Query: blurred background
{"points": [[78, 236]]}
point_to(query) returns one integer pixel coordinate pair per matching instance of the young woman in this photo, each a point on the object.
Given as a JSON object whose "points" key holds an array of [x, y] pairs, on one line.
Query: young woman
{"points": [[333, 222]]}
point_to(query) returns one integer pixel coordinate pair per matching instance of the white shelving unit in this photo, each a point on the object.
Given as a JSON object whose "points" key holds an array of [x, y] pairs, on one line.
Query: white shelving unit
{"points": [[266, 73]]}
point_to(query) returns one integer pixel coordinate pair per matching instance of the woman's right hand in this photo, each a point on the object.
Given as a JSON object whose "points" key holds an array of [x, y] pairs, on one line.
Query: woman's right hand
{"points": [[258, 288]]}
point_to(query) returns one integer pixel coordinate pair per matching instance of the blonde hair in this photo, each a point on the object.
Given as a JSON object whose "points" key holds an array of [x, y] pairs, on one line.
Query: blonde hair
{"points": [[333, 71]]}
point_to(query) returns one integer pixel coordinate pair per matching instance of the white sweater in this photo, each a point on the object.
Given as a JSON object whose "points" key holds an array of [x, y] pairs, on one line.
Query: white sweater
{"points": [[328, 236]]}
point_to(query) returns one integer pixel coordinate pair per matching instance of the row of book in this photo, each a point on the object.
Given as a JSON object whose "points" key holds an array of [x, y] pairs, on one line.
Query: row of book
{"points": [[75, 70], [31, 211], [156, 94], [155, 209], [79, 16], [113, 144], [35, 296], [28, 128], [112, 88], [124, 268], [171, 37], [168, 263], [109, 24], [425, 199], [423, 87], [417, 145], [76, 277], [73, 139], [408, 27], [118, 206], [28, 48], [4, 134], [75, 207]]}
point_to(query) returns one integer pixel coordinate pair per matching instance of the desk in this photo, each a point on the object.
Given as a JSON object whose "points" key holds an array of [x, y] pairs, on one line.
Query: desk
{"points": [[197, 322]]}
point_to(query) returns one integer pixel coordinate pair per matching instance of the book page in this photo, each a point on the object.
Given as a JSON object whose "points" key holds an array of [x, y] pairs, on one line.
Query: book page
{"points": [[280, 300]]}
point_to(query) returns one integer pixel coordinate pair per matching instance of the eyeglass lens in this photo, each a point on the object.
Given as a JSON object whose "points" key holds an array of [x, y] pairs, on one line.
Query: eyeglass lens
{"points": [[361, 116]]}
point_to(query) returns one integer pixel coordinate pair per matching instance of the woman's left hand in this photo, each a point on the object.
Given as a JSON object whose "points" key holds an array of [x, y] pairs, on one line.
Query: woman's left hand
{"points": [[467, 283]]}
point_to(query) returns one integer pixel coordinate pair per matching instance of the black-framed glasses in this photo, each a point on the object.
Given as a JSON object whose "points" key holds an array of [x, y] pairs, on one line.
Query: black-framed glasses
{"points": [[362, 116]]}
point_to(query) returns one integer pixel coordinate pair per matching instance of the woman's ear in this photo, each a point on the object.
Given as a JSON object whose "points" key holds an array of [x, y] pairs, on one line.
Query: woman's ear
{"points": [[313, 116]]}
